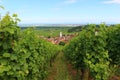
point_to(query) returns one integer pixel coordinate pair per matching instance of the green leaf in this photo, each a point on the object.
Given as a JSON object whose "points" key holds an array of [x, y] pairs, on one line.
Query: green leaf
{"points": [[14, 15], [5, 45], [26, 55], [1, 68], [6, 55], [11, 31], [7, 68], [4, 61], [4, 68], [10, 73], [13, 57]]}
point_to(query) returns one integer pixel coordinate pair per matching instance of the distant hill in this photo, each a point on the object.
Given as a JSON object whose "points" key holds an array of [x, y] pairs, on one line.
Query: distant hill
{"points": [[49, 25]]}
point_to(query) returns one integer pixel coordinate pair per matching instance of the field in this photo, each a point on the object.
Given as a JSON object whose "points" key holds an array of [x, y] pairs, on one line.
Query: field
{"points": [[60, 40], [61, 64], [52, 31], [92, 54]]}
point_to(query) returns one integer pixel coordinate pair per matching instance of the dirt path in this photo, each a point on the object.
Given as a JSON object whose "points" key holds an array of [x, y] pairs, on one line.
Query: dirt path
{"points": [[59, 69]]}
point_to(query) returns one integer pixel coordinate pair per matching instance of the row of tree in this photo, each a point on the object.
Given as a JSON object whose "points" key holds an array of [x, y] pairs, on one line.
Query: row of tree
{"points": [[23, 55], [94, 50]]}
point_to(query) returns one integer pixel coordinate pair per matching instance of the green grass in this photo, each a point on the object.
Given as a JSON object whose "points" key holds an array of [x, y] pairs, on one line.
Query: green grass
{"points": [[59, 69], [62, 72]]}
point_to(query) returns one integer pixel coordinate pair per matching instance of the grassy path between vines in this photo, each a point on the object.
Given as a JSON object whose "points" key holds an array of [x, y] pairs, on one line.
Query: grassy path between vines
{"points": [[62, 70], [59, 69]]}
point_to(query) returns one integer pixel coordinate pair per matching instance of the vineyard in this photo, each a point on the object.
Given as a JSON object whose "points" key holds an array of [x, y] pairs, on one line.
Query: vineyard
{"points": [[94, 52], [23, 55]]}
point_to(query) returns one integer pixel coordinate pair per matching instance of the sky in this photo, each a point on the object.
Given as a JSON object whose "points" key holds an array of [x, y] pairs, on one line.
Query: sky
{"points": [[63, 11]]}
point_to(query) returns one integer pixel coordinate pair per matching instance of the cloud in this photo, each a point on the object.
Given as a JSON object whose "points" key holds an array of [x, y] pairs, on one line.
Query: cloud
{"points": [[111, 2], [69, 1]]}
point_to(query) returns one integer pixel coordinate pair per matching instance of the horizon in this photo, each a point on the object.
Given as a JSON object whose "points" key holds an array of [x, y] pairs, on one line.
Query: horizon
{"points": [[57, 25], [64, 11]]}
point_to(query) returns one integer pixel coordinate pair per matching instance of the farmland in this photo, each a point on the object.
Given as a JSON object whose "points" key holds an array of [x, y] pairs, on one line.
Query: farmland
{"points": [[93, 53]]}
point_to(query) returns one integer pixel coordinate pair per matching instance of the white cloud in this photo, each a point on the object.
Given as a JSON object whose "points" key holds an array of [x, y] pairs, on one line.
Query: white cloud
{"points": [[70, 1], [111, 2]]}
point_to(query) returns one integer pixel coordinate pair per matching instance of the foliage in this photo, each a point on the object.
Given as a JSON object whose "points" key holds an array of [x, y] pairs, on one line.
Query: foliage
{"points": [[51, 31], [75, 29], [87, 51], [62, 43], [23, 55], [113, 45], [80, 28]]}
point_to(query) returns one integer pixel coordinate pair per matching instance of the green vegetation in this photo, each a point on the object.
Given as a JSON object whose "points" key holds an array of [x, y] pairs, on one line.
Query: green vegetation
{"points": [[89, 51], [59, 70], [94, 53], [113, 45], [23, 56], [62, 43], [52, 31]]}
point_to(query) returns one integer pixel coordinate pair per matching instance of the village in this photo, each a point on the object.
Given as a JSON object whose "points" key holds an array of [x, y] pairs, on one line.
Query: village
{"points": [[60, 38]]}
